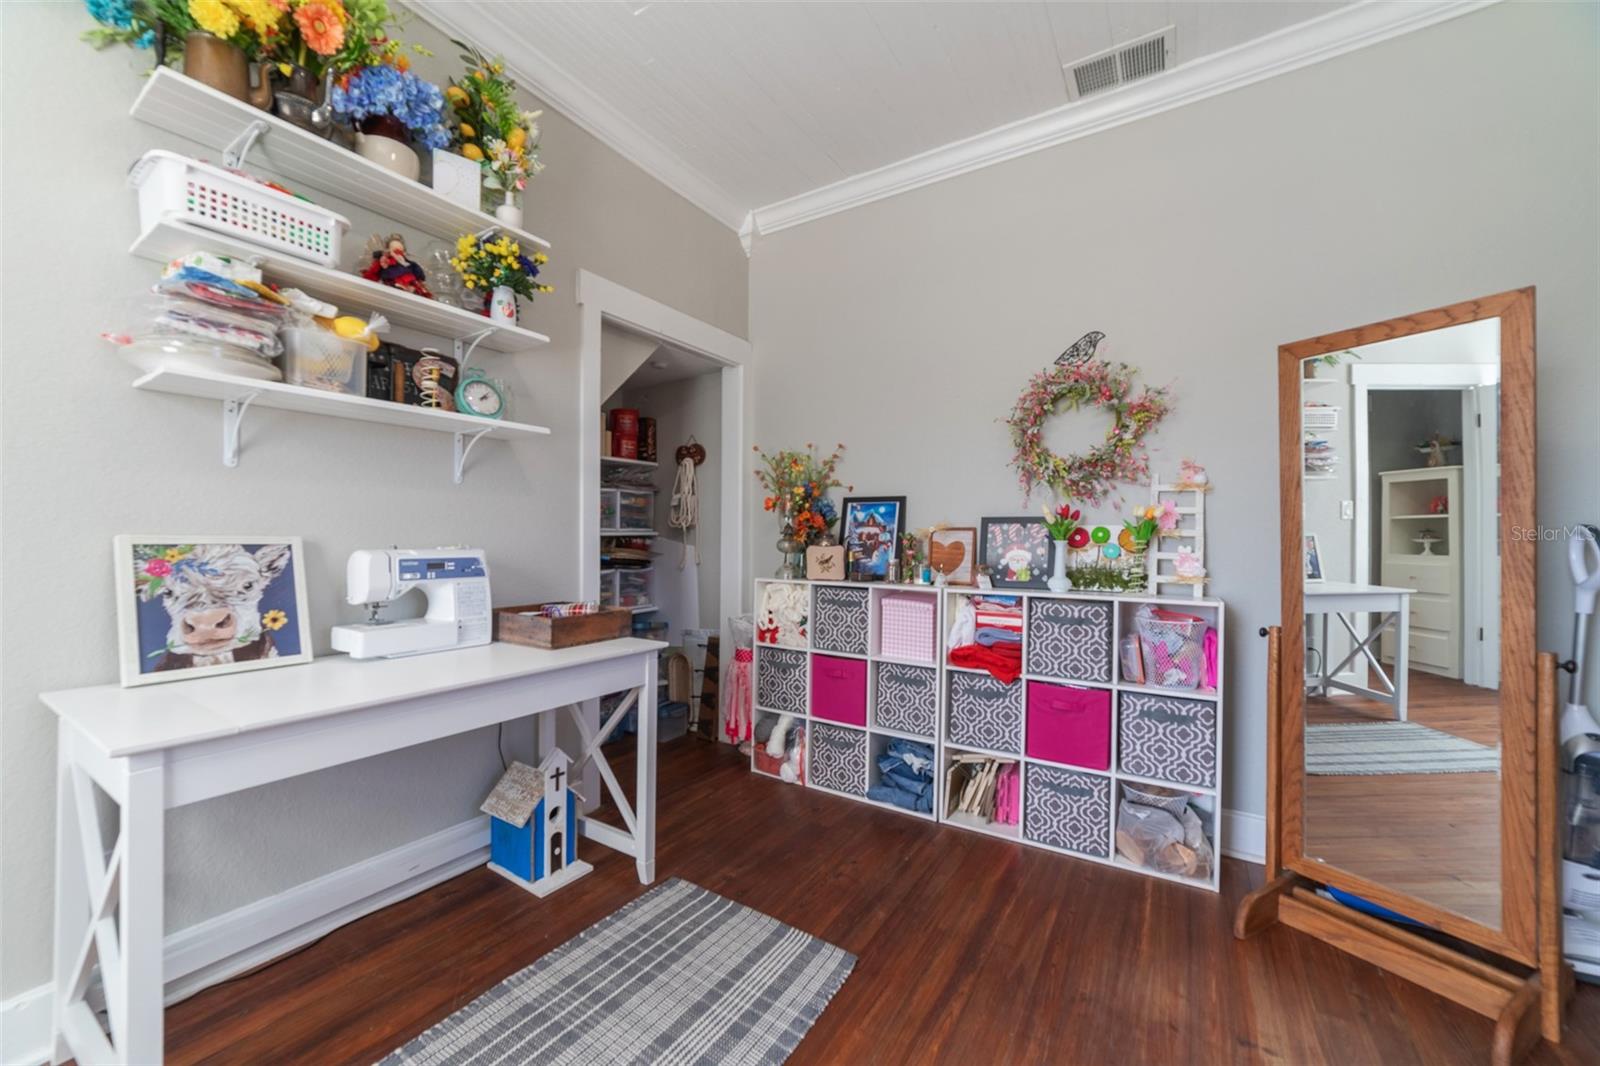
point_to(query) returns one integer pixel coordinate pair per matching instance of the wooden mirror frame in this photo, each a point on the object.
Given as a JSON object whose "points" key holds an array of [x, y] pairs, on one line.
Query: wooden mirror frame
{"points": [[1517, 936]]}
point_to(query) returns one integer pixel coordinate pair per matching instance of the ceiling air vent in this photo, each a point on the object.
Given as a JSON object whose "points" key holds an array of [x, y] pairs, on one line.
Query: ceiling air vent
{"points": [[1150, 54]]}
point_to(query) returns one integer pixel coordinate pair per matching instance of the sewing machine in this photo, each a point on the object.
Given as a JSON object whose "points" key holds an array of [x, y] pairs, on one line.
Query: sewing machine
{"points": [[455, 582]]}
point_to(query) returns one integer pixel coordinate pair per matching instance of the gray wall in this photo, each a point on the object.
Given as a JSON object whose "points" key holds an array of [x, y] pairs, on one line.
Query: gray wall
{"points": [[1397, 178], [86, 457]]}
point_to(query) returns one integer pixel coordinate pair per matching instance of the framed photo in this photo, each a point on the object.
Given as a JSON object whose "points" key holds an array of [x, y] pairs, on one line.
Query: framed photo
{"points": [[953, 552], [1313, 558], [871, 535], [825, 563], [195, 606], [1017, 552]]}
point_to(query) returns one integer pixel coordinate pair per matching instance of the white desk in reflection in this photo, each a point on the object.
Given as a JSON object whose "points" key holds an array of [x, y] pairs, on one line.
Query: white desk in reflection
{"points": [[1343, 600]]}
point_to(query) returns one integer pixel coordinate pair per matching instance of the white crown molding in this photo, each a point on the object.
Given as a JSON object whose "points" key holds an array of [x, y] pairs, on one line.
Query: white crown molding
{"points": [[1334, 34], [535, 72]]}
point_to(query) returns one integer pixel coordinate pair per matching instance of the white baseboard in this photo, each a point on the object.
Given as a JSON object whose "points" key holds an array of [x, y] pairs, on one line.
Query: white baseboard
{"points": [[25, 1028], [229, 944], [1244, 835]]}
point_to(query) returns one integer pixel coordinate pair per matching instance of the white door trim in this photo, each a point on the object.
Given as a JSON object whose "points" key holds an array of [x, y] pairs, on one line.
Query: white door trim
{"points": [[605, 301]]}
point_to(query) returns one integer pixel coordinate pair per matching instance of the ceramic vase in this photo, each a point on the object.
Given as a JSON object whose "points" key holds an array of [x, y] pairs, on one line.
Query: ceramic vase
{"points": [[382, 140], [1059, 581], [509, 212], [503, 306]]}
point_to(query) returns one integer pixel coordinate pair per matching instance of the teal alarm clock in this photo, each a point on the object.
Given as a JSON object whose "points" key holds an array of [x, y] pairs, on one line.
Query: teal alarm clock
{"points": [[480, 395]]}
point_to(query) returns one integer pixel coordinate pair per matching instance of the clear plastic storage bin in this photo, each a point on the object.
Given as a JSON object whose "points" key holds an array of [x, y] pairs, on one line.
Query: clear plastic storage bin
{"points": [[319, 359], [608, 508], [636, 509], [636, 588]]}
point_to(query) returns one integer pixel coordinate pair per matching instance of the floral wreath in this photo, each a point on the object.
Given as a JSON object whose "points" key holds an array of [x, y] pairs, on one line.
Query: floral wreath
{"points": [[1092, 383]]}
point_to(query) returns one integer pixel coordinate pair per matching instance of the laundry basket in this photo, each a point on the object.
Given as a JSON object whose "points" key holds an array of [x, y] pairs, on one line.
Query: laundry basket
{"points": [[1173, 647], [176, 188]]}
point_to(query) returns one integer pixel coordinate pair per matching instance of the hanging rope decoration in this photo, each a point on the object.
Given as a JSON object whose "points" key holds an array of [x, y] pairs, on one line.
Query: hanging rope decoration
{"points": [[1080, 380], [685, 515]]}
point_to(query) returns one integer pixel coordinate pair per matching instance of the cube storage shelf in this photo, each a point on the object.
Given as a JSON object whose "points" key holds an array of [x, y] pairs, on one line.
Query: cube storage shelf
{"points": [[1080, 733]]}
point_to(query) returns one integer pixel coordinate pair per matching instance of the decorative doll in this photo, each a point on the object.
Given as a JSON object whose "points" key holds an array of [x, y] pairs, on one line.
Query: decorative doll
{"points": [[391, 266]]}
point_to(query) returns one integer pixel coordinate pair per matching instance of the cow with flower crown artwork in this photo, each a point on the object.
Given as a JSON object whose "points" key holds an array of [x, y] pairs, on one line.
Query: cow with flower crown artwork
{"points": [[211, 606]]}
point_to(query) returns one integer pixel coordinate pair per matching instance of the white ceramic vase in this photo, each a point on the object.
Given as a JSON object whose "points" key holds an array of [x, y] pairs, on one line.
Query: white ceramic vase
{"points": [[503, 306], [389, 153], [509, 213], [1059, 581]]}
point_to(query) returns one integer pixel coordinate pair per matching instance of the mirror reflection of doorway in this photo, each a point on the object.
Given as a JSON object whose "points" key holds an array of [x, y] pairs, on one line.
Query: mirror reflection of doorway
{"points": [[1400, 489]]}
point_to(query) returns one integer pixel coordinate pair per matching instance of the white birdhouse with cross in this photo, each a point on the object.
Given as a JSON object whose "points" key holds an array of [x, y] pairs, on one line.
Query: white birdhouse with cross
{"points": [[533, 828]]}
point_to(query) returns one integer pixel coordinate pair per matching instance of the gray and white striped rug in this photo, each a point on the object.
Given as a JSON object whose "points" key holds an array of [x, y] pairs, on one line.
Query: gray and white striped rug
{"points": [[680, 975], [1371, 748]]}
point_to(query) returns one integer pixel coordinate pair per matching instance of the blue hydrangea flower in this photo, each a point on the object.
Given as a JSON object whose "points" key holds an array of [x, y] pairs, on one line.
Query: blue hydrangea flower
{"points": [[383, 90]]}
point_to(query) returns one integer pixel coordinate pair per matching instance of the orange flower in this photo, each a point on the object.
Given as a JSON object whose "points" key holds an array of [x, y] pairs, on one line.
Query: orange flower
{"points": [[321, 26]]}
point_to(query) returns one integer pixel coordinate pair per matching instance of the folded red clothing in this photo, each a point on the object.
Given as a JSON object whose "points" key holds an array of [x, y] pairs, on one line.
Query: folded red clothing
{"points": [[1003, 661]]}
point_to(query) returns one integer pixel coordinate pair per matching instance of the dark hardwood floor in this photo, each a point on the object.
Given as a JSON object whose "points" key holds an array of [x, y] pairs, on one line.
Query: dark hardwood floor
{"points": [[1434, 836], [970, 949]]}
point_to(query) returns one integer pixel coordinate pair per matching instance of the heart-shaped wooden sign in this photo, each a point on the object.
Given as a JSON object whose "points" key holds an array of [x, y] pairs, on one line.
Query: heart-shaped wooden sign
{"points": [[946, 558]]}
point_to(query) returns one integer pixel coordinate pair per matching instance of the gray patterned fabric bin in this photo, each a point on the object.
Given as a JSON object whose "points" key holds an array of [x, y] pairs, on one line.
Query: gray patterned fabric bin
{"points": [[838, 759], [907, 698], [1067, 810], [985, 713], [1169, 738], [780, 679], [1069, 639], [839, 620]]}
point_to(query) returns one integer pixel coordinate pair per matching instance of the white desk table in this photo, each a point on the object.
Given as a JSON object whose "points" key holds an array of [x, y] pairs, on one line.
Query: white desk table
{"points": [[1341, 599], [163, 746]]}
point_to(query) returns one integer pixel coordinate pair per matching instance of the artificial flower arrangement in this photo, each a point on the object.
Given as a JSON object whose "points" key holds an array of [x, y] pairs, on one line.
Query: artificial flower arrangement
{"points": [[797, 485], [1148, 521], [387, 90], [1062, 522], [250, 25], [485, 265], [490, 129]]}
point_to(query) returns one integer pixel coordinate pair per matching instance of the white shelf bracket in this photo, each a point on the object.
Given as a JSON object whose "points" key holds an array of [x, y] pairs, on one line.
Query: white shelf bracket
{"points": [[464, 443], [465, 346], [232, 418], [233, 155]]}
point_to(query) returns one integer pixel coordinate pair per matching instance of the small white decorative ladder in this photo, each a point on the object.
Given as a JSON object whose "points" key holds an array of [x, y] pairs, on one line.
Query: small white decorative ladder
{"points": [[1190, 502]]}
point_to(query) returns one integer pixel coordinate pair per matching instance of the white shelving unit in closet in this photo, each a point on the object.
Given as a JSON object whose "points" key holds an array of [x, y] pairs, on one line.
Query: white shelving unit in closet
{"points": [[241, 133], [1082, 726]]}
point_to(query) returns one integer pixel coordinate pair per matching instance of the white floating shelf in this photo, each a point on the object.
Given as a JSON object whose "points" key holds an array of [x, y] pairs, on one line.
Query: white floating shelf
{"points": [[180, 105], [617, 460], [627, 532], [239, 394], [351, 292]]}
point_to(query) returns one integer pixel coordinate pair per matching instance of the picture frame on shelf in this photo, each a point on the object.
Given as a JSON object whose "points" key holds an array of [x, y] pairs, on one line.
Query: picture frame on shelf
{"points": [[1016, 551], [193, 606], [871, 528], [953, 552], [1313, 558]]}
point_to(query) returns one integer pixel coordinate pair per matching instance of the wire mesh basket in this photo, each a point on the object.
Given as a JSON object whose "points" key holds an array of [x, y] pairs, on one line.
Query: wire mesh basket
{"points": [[1172, 646]]}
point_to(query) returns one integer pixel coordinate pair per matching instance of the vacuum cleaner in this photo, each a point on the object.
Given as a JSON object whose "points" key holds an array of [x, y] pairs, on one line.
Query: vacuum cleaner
{"points": [[1580, 776]]}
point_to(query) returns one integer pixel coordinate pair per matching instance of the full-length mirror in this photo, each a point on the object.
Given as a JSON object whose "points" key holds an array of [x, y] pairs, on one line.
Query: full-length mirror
{"points": [[1406, 492], [1402, 605]]}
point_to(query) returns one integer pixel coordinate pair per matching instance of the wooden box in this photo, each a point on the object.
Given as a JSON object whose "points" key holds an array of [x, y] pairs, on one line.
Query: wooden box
{"points": [[515, 627]]}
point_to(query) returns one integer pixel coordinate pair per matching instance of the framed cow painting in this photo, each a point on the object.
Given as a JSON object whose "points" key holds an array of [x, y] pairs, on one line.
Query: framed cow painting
{"points": [[194, 606]]}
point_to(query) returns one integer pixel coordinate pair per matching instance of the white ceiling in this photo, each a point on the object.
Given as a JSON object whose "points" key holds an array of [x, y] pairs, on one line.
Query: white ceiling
{"points": [[744, 105]]}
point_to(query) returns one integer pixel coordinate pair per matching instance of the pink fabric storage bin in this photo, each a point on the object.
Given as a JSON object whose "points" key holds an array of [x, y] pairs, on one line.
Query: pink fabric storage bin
{"points": [[839, 689], [907, 626], [1069, 725]]}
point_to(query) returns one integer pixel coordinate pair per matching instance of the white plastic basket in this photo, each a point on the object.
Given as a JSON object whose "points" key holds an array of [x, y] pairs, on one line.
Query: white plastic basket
{"points": [[176, 187]]}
